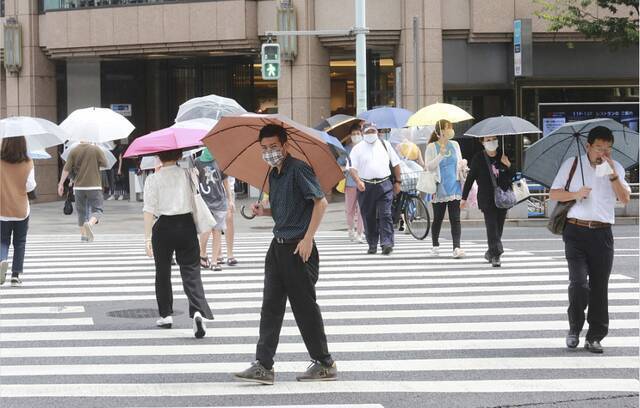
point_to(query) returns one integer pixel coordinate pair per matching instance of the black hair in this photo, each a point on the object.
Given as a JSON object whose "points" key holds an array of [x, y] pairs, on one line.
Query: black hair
{"points": [[170, 155], [600, 133], [355, 126], [272, 130]]}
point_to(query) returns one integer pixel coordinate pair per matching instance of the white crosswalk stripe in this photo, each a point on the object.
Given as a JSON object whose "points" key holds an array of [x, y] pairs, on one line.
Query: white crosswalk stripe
{"points": [[487, 330]]}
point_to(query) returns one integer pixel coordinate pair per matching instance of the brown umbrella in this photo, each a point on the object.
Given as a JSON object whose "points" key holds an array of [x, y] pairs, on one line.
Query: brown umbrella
{"points": [[234, 144]]}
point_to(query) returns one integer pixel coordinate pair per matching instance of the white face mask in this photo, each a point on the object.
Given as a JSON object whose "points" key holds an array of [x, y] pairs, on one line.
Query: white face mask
{"points": [[491, 146], [370, 138], [355, 139], [449, 133]]}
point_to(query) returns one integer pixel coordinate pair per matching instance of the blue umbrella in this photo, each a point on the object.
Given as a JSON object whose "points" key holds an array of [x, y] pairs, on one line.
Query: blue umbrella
{"points": [[543, 159], [387, 117]]}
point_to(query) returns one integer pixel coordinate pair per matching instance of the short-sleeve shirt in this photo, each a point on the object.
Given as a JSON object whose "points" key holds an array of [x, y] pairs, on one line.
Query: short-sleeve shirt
{"points": [[211, 185], [600, 204], [371, 160], [84, 163], [292, 193]]}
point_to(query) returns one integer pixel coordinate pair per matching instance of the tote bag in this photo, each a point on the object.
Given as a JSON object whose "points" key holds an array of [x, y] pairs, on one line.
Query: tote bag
{"points": [[202, 217]]}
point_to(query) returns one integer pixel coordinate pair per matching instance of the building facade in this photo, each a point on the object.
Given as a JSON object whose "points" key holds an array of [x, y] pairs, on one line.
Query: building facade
{"points": [[152, 55]]}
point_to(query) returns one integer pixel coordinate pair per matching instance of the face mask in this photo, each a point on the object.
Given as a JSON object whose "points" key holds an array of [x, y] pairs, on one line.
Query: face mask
{"points": [[449, 133], [355, 139], [272, 157], [370, 138], [491, 146]]}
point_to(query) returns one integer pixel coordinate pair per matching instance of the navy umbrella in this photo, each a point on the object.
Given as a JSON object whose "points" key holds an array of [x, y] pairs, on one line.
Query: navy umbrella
{"points": [[543, 159]]}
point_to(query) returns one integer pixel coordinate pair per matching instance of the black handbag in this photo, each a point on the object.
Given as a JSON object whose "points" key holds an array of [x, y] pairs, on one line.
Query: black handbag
{"points": [[558, 217], [68, 207], [504, 199]]}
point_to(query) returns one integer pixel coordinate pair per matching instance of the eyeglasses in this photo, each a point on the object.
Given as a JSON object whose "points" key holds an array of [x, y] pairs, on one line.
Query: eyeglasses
{"points": [[602, 149]]}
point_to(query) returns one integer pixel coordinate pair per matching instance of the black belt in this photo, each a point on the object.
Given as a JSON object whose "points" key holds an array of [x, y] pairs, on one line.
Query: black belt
{"points": [[376, 180], [286, 240]]}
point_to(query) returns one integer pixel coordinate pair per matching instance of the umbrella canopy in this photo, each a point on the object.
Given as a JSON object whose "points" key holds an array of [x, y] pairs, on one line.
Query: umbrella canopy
{"points": [[418, 135], [337, 125], [111, 159], [210, 106], [165, 139], [39, 155], [39, 133], [544, 158], [387, 117], [429, 115], [502, 126], [198, 123], [234, 144], [96, 125]]}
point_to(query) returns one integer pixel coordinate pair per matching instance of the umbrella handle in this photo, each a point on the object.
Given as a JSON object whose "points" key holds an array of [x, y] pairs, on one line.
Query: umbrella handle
{"points": [[248, 217]]}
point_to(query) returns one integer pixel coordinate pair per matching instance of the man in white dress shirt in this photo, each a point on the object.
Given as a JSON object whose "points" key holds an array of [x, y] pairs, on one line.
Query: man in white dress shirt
{"points": [[371, 164], [587, 236]]}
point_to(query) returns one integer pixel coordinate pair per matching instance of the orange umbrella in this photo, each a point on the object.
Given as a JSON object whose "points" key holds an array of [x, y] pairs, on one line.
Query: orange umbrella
{"points": [[234, 144]]}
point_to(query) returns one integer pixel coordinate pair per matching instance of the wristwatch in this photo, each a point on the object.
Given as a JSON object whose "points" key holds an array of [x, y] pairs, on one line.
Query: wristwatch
{"points": [[397, 182], [614, 178]]}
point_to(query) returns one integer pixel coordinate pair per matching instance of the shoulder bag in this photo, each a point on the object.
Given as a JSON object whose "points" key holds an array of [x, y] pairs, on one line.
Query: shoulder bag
{"points": [[503, 199], [558, 217], [427, 181], [202, 217]]}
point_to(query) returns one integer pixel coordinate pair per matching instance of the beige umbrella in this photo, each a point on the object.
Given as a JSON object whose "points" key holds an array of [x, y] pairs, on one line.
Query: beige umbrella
{"points": [[234, 144]]}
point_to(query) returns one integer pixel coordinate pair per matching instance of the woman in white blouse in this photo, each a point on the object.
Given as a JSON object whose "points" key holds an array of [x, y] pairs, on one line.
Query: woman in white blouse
{"points": [[168, 196]]}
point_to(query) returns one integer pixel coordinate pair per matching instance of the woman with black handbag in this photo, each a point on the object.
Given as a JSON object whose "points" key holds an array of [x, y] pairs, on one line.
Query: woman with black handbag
{"points": [[169, 197], [488, 168], [17, 182]]}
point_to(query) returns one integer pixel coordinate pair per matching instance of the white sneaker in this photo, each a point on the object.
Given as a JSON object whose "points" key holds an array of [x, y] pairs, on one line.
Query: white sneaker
{"points": [[352, 235], [88, 231], [4, 266], [199, 328], [111, 198], [360, 239], [435, 251], [120, 198], [458, 253], [165, 322]]}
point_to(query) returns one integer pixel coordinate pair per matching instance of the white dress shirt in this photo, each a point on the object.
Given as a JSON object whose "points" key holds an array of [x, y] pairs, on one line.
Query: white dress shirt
{"points": [[167, 192], [600, 204], [371, 160]]}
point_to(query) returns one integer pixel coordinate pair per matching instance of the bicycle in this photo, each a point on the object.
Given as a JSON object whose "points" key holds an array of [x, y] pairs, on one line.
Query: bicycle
{"points": [[416, 218]]}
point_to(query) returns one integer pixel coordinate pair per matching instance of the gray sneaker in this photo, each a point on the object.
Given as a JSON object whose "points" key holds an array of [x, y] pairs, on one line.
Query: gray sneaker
{"points": [[319, 372], [88, 231], [256, 373], [4, 266]]}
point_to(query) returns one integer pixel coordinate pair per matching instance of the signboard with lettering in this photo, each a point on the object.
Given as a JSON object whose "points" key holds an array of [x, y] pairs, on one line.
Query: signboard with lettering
{"points": [[122, 108]]}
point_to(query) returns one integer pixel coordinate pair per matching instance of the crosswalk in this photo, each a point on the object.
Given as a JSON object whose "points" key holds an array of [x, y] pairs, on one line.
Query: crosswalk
{"points": [[408, 324]]}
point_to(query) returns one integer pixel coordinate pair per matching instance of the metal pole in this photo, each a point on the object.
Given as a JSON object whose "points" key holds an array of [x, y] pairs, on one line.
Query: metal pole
{"points": [[361, 57], [416, 66]]}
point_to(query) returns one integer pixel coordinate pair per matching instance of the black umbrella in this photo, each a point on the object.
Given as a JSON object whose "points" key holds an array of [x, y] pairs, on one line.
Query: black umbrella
{"points": [[337, 125]]}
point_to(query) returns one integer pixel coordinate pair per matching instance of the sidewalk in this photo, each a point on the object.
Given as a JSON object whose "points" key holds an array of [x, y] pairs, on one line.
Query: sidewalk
{"points": [[124, 217]]}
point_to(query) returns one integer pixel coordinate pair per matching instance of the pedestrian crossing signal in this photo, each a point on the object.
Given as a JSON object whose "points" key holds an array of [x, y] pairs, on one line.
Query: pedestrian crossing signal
{"points": [[270, 61]]}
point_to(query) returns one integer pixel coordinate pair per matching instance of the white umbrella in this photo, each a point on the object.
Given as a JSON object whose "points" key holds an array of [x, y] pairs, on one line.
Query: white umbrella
{"points": [[39, 133], [39, 155], [97, 125], [210, 106], [111, 159]]}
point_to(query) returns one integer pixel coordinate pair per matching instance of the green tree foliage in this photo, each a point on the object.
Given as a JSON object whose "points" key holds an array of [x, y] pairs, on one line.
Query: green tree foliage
{"points": [[617, 30]]}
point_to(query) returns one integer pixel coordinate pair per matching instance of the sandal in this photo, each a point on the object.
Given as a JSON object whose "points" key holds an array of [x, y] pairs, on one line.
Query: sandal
{"points": [[205, 262], [232, 261], [217, 267], [220, 260]]}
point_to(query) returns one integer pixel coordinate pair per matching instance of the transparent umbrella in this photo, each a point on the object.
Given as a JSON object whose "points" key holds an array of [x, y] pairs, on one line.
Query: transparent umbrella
{"points": [[96, 125], [39, 133], [210, 106]]}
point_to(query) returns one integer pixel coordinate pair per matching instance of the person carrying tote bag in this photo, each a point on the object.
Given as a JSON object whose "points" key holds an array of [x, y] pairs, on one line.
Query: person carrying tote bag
{"points": [[169, 196], [494, 216]]}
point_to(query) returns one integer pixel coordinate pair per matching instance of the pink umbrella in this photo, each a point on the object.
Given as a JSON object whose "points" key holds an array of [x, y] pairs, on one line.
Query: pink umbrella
{"points": [[165, 139]]}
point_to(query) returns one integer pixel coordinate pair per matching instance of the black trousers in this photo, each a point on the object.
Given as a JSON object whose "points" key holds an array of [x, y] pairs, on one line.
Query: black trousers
{"points": [[286, 276], [454, 219], [177, 233], [375, 207], [494, 222], [589, 254]]}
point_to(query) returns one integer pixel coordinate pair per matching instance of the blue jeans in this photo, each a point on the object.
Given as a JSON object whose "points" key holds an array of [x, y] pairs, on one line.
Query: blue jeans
{"points": [[19, 231]]}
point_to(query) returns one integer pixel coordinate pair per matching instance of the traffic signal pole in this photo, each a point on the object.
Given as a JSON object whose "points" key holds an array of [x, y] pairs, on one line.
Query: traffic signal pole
{"points": [[360, 32]]}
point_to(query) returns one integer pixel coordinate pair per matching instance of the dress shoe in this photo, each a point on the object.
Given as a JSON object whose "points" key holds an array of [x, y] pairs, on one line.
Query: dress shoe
{"points": [[593, 346], [572, 340], [386, 250]]}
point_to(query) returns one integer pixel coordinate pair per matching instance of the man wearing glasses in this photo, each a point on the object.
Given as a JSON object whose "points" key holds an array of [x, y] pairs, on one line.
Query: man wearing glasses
{"points": [[587, 237]]}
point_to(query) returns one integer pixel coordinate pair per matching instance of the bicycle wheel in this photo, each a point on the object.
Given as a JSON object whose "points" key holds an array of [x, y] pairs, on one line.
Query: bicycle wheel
{"points": [[417, 217]]}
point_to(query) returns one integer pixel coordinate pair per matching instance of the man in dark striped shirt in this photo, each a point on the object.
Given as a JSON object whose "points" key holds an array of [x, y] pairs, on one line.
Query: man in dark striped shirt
{"points": [[297, 205]]}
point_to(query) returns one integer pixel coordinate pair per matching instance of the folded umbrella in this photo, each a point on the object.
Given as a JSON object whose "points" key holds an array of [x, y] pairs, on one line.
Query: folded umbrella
{"points": [[96, 125], [210, 106], [234, 144], [165, 139], [387, 117], [429, 115], [543, 159], [39, 133]]}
